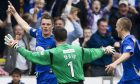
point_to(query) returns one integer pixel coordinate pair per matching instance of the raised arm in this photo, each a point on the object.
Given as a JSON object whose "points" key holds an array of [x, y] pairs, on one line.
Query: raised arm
{"points": [[67, 9], [110, 3], [8, 27], [20, 21], [86, 4], [2, 24], [36, 10], [76, 33]]}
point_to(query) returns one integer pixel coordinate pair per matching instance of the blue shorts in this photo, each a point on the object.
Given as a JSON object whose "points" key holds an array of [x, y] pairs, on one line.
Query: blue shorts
{"points": [[134, 81], [46, 78]]}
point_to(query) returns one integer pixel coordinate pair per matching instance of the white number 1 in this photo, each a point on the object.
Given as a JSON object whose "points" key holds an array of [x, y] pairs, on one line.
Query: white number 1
{"points": [[71, 68]]}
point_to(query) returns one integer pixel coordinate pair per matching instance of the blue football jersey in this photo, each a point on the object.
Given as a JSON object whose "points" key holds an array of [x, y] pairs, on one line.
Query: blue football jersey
{"points": [[128, 46], [45, 43]]}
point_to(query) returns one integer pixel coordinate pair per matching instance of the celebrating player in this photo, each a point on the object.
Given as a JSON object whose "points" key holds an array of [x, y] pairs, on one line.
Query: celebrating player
{"points": [[65, 60], [129, 53]]}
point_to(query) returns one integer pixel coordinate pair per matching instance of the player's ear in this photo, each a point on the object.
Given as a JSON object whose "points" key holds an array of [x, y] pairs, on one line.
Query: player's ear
{"points": [[52, 26], [121, 28]]}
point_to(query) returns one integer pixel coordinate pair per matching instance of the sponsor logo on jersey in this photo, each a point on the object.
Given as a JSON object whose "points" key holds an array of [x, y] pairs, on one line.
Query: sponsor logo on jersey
{"points": [[68, 51]]}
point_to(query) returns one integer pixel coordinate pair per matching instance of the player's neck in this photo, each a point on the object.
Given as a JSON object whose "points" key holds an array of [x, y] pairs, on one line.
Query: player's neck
{"points": [[124, 34], [60, 43], [46, 35]]}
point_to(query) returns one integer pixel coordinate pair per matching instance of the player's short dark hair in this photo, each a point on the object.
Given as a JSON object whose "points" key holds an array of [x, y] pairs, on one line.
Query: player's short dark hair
{"points": [[101, 20], [125, 23], [60, 34], [16, 71], [47, 16]]}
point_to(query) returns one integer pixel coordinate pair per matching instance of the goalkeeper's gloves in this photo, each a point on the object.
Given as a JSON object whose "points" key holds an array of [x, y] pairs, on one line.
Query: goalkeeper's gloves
{"points": [[9, 41]]}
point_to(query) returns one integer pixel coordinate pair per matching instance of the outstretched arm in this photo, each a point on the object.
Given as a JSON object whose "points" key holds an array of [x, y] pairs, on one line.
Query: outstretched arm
{"points": [[95, 53], [42, 58], [20, 21]]}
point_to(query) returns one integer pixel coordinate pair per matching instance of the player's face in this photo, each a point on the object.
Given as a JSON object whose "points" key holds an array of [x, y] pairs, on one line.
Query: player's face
{"points": [[59, 23], [19, 31], [118, 28], [47, 26], [16, 78]]}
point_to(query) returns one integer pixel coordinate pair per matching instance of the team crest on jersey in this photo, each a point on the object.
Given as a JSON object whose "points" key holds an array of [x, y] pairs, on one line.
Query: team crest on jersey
{"points": [[128, 47], [136, 70]]}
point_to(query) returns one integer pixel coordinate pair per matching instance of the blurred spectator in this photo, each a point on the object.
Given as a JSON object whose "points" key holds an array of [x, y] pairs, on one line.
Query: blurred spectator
{"points": [[14, 59], [2, 46], [57, 9], [3, 72], [39, 4], [86, 36], [125, 11], [82, 14], [49, 5], [28, 4], [72, 25], [16, 76], [97, 40], [29, 19], [3, 7], [60, 23], [95, 13]]}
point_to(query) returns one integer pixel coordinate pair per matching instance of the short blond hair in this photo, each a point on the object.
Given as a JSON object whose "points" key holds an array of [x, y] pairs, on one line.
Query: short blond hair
{"points": [[74, 9], [125, 23]]}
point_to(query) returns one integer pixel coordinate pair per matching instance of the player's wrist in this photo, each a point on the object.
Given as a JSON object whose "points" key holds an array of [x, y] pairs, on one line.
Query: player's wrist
{"points": [[104, 49], [16, 46]]}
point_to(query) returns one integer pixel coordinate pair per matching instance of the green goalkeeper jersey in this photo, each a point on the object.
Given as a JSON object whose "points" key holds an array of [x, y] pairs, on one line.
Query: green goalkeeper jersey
{"points": [[65, 60]]}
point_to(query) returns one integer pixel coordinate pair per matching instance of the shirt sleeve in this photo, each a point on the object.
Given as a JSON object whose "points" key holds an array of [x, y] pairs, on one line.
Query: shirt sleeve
{"points": [[91, 54], [33, 32], [128, 46], [77, 33], [105, 10], [42, 58]]}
